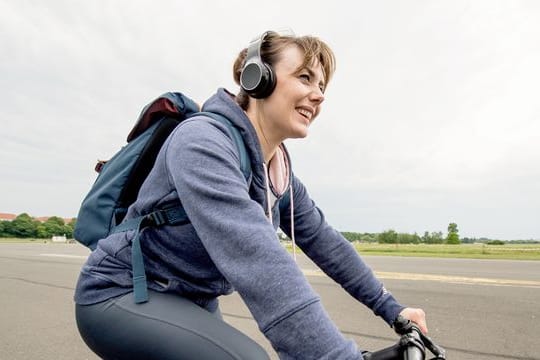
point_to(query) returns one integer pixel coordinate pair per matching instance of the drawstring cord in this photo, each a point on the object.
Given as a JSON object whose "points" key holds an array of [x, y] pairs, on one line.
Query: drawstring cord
{"points": [[291, 203]]}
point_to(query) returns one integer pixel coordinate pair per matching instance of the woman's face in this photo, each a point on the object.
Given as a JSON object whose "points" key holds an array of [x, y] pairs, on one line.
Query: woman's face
{"points": [[296, 99]]}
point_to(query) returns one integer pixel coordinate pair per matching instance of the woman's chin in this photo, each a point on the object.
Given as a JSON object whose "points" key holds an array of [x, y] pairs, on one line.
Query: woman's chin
{"points": [[300, 134]]}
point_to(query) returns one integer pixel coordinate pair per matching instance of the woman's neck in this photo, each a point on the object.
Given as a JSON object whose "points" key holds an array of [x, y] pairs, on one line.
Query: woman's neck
{"points": [[264, 135]]}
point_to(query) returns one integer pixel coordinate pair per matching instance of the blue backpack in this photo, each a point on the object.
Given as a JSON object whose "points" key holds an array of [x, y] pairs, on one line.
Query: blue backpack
{"points": [[103, 210]]}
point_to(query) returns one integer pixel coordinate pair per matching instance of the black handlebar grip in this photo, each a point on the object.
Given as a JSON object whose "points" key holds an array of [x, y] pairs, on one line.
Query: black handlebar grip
{"points": [[390, 353], [413, 353]]}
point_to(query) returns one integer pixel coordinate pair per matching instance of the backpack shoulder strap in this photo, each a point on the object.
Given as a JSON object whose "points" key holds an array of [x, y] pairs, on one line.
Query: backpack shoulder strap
{"points": [[245, 163]]}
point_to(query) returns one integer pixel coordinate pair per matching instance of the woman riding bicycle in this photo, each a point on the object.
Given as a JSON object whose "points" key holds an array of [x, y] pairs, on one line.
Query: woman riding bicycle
{"points": [[230, 242]]}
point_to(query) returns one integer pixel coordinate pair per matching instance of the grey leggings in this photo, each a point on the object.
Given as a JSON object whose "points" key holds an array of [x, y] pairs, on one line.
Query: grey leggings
{"points": [[166, 327]]}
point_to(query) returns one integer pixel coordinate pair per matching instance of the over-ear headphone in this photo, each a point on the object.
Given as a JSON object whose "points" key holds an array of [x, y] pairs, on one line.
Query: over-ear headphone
{"points": [[257, 78]]}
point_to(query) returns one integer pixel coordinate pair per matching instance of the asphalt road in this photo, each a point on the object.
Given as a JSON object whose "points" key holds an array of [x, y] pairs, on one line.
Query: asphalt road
{"points": [[477, 309]]}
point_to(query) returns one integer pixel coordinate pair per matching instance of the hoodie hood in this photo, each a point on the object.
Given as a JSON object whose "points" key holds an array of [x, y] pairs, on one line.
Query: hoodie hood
{"points": [[223, 103]]}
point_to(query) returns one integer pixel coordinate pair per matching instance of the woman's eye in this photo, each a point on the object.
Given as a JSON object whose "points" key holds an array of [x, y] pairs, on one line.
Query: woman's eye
{"points": [[305, 77]]}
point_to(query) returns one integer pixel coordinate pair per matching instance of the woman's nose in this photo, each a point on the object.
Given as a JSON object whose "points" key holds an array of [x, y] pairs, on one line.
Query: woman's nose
{"points": [[317, 96]]}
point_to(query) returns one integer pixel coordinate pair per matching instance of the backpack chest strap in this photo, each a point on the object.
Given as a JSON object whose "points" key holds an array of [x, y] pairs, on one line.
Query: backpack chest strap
{"points": [[171, 216]]}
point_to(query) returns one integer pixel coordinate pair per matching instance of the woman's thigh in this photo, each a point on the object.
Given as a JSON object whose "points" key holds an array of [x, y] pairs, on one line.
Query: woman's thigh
{"points": [[165, 327]]}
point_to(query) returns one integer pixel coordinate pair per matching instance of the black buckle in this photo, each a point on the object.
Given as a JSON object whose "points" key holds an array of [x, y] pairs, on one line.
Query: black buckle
{"points": [[156, 218]]}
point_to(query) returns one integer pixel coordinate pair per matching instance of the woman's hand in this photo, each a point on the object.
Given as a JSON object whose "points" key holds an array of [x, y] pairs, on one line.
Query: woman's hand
{"points": [[417, 316]]}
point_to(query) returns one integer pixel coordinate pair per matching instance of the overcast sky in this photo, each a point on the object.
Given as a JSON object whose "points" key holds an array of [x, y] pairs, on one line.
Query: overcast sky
{"points": [[432, 117]]}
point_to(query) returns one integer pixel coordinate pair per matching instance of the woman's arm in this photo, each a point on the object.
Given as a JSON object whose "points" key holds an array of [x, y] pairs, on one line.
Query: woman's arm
{"points": [[205, 169], [336, 256]]}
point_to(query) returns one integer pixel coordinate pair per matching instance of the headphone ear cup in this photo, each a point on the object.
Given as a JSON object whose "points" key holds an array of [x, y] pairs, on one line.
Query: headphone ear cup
{"points": [[257, 79], [267, 84], [270, 82]]}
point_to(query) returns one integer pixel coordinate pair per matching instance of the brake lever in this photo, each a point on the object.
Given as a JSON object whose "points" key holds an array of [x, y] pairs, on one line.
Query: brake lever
{"points": [[435, 349], [402, 326]]}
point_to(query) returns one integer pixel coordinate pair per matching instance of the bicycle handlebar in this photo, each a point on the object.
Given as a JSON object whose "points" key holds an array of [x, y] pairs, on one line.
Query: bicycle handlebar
{"points": [[411, 346]]}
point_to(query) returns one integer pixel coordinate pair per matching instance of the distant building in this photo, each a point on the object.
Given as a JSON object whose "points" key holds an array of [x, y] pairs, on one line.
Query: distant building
{"points": [[7, 217]]}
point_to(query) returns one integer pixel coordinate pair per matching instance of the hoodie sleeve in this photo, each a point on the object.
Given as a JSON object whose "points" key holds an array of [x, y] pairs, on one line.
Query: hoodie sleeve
{"points": [[204, 167], [336, 256]]}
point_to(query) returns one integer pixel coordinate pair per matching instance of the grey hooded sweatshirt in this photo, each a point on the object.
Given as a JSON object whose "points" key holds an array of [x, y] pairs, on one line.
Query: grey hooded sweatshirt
{"points": [[230, 243]]}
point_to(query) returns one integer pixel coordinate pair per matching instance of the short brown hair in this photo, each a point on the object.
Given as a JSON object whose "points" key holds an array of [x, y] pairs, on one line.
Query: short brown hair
{"points": [[312, 47]]}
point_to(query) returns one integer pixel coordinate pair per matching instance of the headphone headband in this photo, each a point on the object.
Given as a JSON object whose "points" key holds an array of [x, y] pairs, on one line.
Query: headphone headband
{"points": [[254, 48]]}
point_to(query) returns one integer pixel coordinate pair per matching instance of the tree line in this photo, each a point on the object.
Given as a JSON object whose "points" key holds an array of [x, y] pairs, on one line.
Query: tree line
{"points": [[436, 237], [393, 237], [25, 226]]}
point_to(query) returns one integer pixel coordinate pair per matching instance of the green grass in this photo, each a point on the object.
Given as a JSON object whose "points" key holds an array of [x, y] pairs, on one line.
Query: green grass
{"points": [[471, 251], [475, 251]]}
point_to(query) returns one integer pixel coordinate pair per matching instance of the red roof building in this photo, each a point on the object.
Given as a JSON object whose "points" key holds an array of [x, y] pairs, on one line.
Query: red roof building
{"points": [[7, 217]]}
